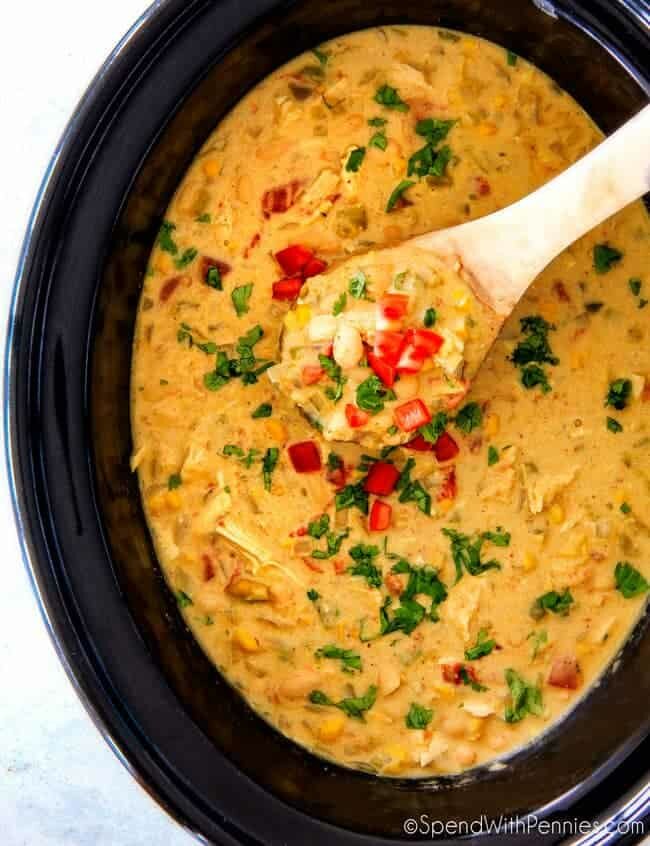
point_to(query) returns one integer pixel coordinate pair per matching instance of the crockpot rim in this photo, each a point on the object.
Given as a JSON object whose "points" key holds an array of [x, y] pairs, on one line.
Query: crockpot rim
{"points": [[140, 37]]}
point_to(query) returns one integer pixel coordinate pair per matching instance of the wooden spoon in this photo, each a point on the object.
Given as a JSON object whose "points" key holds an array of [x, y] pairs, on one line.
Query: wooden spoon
{"points": [[495, 258], [504, 252]]}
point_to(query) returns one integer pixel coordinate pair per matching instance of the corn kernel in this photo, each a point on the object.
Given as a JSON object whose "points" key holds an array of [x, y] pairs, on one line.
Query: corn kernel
{"points": [[487, 128], [303, 314], [460, 298], [165, 501], [556, 513], [164, 263], [577, 360], [530, 561], [246, 641], [492, 425], [331, 728], [583, 647], [620, 496], [575, 548], [499, 101], [276, 430], [444, 690], [249, 590], [475, 728], [397, 755], [445, 506], [211, 167]]}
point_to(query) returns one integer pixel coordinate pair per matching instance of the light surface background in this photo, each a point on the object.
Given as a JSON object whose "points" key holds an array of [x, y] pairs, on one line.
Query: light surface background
{"points": [[60, 785]]}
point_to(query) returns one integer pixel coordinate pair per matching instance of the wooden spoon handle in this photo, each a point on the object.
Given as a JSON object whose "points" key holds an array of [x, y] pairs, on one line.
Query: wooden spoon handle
{"points": [[505, 251]]}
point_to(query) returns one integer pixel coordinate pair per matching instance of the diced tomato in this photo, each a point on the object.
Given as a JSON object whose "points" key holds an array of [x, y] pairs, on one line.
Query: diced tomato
{"points": [[356, 417], [207, 264], [449, 487], [287, 289], [168, 288], [381, 368], [393, 306], [293, 258], [412, 415], [565, 673], [381, 479], [380, 516], [337, 477], [279, 199], [339, 566], [419, 345], [312, 373], [314, 267], [452, 673], [388, 345], [305, 457], [394, 583], [445, 448], [208, 567], [420, 444]]}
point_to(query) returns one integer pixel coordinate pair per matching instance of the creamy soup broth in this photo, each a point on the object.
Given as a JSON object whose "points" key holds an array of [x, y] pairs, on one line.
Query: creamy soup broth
{"points": [[507, 559]]}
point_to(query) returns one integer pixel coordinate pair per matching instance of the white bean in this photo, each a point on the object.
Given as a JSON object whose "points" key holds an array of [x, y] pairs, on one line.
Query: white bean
{"points": [[348, 346]]}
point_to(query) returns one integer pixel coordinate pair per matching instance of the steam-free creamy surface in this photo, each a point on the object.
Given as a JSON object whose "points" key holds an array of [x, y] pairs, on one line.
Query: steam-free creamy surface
{"points": [[421, 607]]}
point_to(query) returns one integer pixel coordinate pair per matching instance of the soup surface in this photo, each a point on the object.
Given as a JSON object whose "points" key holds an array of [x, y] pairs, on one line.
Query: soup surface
{"points": [[405, 609]]}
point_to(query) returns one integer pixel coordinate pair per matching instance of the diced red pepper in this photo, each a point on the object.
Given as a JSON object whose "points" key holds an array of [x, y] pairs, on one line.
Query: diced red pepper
{"points": [[394, 583], [305, 457], [340, 566], [412, 415], [356, 417], [292, 259], [279, 199], [565, 673], [481, 186], [168, 288], [388, 345], [380, 516], [287, 289], [420, 444], [452, 673], [208, 567], [445, 448], [393, 306], [381, 479], [207, 264], [313, 565], [419, 345], [381, 368], [311, 373], [314, 267], [449, 487]]}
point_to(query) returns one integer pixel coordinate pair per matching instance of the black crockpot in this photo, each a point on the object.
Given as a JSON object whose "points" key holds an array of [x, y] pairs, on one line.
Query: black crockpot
{"points": [[182, 731]]}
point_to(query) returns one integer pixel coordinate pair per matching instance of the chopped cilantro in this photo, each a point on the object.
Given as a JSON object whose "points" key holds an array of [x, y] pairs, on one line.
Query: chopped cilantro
{"points": [[244, 367], [629, 580], [186, 333], [165, 239], [406, 618], [187, 257], [379, 141], [240, 297], [319, 527], [206, 217], [321, 55], [350, 661], [540, 639], [334, 461], [525, 698], [430, 317], [389, 98], [424, 581], [605, 257], [466, 551], [469, 680], [364, 565], [355, 158], [432, 430], [397, 193], [481, 648], [333, 542], [433, 129], [492, 455], [534, 347], [340, 304], [333, 372], [511, 58], [635, 285], [352, 496], [183, 599], [614, 426], [353, 706], [446, 35], [469, 417], [372, 394], [377, 121], [594, 307], [263, 410], [313, 595], [418, 716], [213, 279], [557, 603], [618, 394], [174, 481], [269, 463], [411, 491], [358, 285], [626, 508], [429, 162]]}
